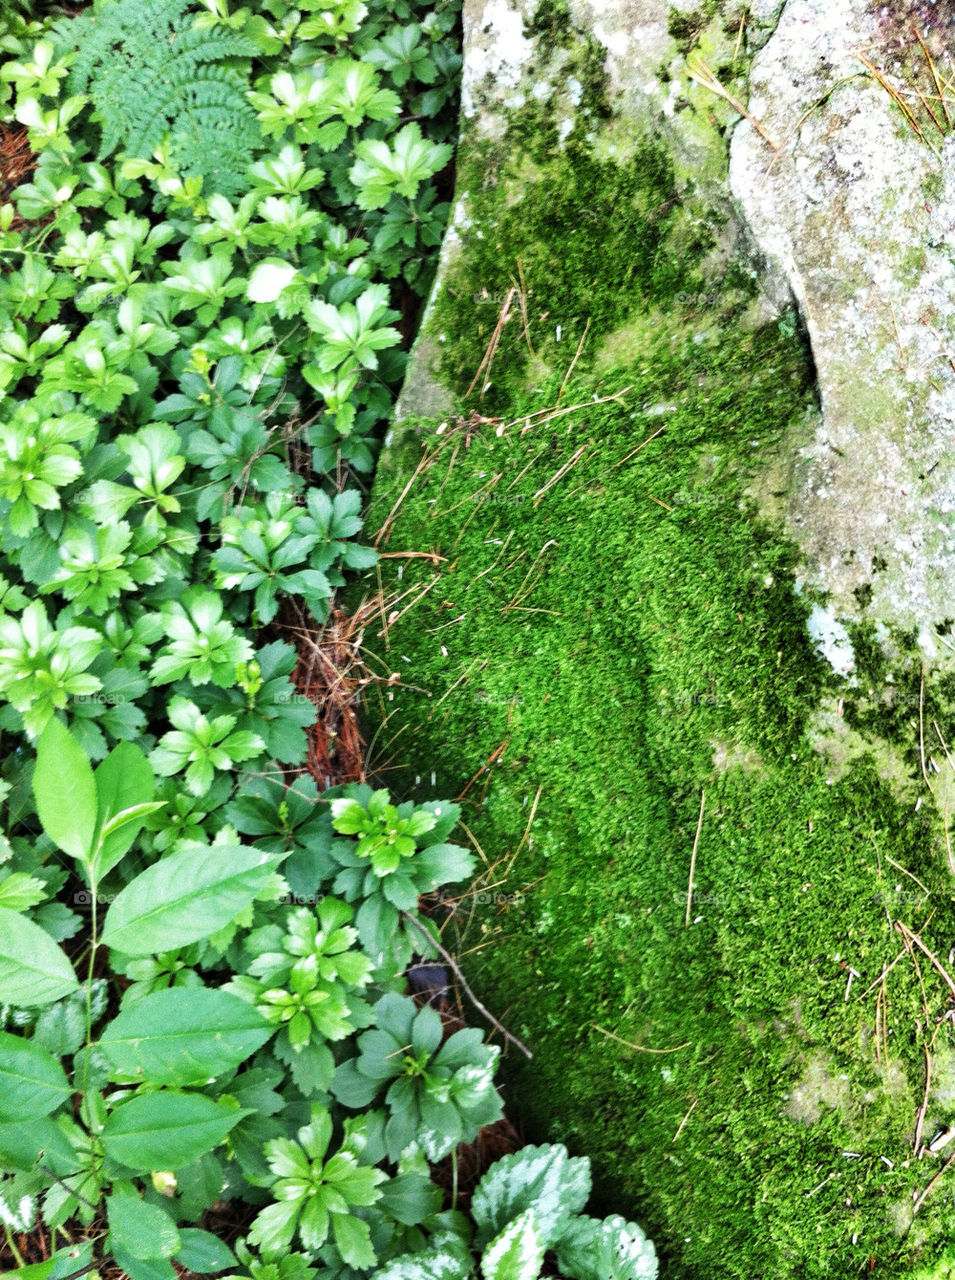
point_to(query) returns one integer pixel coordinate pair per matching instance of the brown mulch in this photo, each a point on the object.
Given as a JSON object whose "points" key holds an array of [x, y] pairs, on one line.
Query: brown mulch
{"points": [[17, 162]]}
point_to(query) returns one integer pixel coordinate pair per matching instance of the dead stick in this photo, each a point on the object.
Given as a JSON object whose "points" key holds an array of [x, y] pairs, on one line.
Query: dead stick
{"points": [[449, 959], [640, 1048], [922, 1109], [922, 1198], [696, 841], [906, 932]]}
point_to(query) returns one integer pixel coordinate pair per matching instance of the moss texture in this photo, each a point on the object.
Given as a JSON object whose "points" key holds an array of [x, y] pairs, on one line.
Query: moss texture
{"points": [[612, 632]]}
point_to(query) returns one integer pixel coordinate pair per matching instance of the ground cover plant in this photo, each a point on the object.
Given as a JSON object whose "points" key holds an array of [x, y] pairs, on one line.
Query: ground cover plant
{"points": [[609, 668], [211, 252]]}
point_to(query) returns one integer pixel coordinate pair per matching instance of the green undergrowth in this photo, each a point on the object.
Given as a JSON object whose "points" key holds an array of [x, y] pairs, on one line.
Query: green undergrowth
{"points": [[611, 641]]}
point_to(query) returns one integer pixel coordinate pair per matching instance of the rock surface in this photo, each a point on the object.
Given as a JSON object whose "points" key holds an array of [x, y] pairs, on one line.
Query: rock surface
{"points": [[853, 214], [858, 212]]}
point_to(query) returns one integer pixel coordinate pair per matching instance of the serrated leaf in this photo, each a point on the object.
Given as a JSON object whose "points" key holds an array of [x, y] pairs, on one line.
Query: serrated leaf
{"points": [[185, 1035], [33, 970], [166, 1130], [185, 898], [613, 1249], [65, 791], [32, 1082]]}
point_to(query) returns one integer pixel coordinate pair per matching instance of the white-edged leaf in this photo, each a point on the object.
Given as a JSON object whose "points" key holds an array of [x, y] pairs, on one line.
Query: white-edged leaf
{"points": [[541, 1178], [517, 1252]]}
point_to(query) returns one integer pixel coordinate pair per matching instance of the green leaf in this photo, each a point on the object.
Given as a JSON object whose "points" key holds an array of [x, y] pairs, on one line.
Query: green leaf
{"points": [[32, 1082], [33, 969], [124, 781], [185, 898], [144, 1268], [166, 1130], [540, 1178], [65, 791], [185, 1035], [203, 1253], [22, 1145], [38, 1271], [613, 1249], [517, 1252], [20, 892], [353, 1238], [139, 1229]]}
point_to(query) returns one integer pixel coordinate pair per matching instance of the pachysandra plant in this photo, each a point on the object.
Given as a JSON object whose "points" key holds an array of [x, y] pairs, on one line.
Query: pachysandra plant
{"points": [[198, 356]]}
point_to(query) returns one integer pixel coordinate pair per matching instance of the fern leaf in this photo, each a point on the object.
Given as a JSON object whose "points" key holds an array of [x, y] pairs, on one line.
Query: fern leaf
{"points": [[151, 75]]}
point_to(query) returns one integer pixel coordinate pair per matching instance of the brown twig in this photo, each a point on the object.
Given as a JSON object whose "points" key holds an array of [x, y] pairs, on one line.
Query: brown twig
{"points": [[696, 842], [922, 1198], [924, 1107], [640, 1048], [907, 933], [485, 366], [450, 960]]}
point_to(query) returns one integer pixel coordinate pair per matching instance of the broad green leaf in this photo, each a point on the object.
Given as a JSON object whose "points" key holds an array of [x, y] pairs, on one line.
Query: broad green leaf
{"points": [[65, 791], [139, 1229], [613, 1249], [144, 1268], [124, 781], [22, 1144], [185, 1035], [185, 898], [517, 1253], [33, 969], [38, 1271], [166, 1130], [203, 1253], [32, 1082]]}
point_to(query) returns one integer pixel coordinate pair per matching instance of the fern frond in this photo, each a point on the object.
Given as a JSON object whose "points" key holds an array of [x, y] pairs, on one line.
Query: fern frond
{"points": [[150, 75]]}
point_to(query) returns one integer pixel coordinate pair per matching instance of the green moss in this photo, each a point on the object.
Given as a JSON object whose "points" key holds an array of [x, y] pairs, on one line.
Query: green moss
{"points": [[611, 631]]}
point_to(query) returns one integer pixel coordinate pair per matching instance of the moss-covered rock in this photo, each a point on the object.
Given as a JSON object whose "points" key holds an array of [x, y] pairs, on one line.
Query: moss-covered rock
{"points": [[609, 661], [857, 207]]}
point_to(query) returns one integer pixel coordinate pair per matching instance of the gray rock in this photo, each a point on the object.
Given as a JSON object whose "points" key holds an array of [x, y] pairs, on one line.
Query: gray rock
{"points": [[857, 212]]}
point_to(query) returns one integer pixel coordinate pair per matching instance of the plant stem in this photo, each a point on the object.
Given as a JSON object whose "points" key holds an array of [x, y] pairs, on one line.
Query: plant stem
{"points": [[94, 894], [11, 1243]]}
